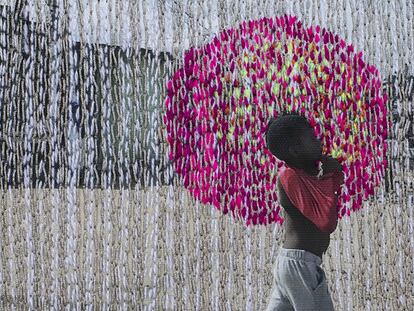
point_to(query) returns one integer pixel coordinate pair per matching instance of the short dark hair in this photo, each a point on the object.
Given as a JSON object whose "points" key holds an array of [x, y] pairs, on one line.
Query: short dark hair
{"points": [[285, 131]]}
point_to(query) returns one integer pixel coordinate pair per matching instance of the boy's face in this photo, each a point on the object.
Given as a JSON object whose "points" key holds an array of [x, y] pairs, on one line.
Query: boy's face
{"points": [[311, 147]]}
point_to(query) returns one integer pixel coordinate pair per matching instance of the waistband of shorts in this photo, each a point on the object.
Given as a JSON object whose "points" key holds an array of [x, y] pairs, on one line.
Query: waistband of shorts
{"points": [[300, 254]]}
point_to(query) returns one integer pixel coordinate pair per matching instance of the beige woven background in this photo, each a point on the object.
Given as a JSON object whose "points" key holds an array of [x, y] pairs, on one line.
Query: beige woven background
{"points": [[154, 248], [166, 252]]}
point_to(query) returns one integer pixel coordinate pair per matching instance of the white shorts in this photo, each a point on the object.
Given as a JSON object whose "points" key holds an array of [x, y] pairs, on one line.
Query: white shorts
{"points": [[299, 283]]}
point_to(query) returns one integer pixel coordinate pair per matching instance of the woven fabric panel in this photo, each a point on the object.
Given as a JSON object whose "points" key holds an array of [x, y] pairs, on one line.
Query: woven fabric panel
{"points": [[92, 215]]}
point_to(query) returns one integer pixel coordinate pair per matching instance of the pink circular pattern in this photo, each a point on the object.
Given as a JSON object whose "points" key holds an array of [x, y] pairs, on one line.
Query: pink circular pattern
{"points": [[220, 101]]}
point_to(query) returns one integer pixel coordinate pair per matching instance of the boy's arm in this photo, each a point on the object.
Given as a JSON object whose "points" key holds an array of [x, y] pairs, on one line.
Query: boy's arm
{"points": [[284, 201], [333, 165], [279, 191]]}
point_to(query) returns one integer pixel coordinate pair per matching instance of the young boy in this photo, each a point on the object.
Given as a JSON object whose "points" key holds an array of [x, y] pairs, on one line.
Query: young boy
{"points": [[309, 197]]}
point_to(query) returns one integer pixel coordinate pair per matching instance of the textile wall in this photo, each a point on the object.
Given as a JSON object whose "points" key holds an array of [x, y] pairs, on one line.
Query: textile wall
{"points": [[93, 215]]}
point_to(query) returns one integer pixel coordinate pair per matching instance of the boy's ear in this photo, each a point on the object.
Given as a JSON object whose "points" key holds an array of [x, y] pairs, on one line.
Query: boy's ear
{"points": [[293, 151]]}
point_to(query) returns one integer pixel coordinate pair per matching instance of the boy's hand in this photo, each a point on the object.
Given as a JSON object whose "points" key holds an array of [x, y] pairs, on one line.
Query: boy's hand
{"points": [[331, 164]]}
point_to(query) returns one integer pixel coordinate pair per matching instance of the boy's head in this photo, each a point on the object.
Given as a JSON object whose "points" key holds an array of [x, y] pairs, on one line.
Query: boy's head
{"points": [[291, 139]]}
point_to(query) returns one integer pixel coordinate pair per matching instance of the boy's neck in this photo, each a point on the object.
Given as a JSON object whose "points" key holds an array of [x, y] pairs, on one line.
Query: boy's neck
{"points": [[308, 169]]}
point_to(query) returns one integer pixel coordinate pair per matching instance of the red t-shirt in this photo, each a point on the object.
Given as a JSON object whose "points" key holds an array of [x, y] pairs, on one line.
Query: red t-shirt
{"points": [[315, 198]]}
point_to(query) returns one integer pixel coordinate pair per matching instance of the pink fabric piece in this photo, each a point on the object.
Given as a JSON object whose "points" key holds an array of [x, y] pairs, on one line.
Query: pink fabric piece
{"points": [[315, 198]]}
